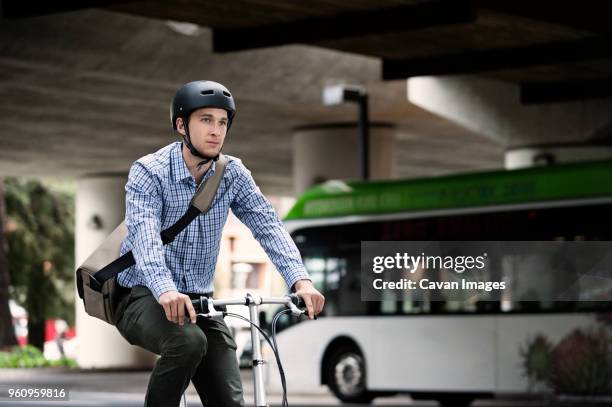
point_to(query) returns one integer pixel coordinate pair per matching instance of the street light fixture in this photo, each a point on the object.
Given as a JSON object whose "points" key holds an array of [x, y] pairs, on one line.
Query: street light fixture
{"points": [[337, 94]]}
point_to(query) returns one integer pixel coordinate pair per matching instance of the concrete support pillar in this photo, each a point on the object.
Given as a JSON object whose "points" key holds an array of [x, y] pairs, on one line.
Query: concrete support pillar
{"points": [[331, 151], [100, 207]]}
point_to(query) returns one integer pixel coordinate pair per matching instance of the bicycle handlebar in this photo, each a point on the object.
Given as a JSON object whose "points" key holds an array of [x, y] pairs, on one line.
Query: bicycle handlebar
{"points": [[210, 306]]}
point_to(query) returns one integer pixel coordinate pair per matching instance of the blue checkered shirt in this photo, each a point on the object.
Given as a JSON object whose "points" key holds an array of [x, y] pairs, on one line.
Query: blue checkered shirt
{"points": [[158, 193]]}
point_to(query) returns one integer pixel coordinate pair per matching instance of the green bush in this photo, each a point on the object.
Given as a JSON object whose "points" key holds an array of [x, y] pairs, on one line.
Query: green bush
{"points": [[30, 356], [537, 355]]}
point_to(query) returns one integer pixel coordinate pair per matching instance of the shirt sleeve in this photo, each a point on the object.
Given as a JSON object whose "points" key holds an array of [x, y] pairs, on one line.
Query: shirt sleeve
{"points": [[254, 210], [143, 221]]}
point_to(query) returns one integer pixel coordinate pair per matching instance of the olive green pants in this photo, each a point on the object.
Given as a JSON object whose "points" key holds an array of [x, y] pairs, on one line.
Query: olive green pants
{"points": [[204, 353]]}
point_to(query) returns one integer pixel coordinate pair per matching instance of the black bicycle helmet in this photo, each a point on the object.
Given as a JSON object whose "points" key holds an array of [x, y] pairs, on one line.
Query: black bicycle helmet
{"points": [[198, 94]]}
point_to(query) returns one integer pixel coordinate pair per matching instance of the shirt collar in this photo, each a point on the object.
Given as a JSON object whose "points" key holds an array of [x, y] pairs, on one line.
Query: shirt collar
{"points": [[179, 169]]}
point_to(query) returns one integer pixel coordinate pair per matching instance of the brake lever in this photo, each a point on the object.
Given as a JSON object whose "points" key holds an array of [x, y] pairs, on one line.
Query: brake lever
{"points": [[293, 306]]}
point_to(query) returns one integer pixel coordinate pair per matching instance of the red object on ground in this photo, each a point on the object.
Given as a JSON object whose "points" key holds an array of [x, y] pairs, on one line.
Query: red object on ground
{"points": [[50, 331], [70, 333]]}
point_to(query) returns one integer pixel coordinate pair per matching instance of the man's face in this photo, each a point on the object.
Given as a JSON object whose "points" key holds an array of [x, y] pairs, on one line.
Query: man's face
{"points": [[207, 129]]}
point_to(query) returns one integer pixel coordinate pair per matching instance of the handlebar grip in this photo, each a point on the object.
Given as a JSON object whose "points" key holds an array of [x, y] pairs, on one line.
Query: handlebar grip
{"points": [[200, 304]]}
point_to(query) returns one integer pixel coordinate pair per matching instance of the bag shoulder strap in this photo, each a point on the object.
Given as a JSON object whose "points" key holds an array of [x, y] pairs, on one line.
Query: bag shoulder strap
{"points": [[200, 203], [208, 189]]}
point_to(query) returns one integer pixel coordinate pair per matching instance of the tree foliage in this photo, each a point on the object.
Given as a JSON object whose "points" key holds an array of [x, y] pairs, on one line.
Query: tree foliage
{"points": [[7, 333], [40, 240]]}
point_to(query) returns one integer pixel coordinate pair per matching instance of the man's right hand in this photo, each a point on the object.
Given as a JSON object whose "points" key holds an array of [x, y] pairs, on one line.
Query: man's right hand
{"points": [[174, 304]]}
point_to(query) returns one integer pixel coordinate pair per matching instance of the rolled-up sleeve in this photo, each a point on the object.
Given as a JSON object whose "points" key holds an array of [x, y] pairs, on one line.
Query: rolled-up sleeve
{"points": [[254, 210], [143, 220]]}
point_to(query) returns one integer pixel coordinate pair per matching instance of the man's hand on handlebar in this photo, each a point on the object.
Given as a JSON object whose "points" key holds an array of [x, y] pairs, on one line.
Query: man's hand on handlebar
{"points": [[174, 304], [312, 298]]}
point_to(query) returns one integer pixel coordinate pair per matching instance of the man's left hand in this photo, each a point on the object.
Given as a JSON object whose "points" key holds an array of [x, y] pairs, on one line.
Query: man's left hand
{"points": [[312, 298]]}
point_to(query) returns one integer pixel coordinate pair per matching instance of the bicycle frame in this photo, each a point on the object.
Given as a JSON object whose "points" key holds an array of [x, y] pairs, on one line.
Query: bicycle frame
{"points": [[207, 307]]}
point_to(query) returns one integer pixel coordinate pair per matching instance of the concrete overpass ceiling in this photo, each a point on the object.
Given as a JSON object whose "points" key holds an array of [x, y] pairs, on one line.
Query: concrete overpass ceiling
{"points": [[568, 39], [433, 36], [87, 90]]}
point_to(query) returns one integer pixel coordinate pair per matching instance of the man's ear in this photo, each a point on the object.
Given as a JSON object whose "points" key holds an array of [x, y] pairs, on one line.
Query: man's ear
{"points": [[180, 126]]}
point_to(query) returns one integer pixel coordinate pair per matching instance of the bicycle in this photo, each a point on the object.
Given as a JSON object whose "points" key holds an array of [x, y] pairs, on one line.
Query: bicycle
{"points": [[209, 307]]}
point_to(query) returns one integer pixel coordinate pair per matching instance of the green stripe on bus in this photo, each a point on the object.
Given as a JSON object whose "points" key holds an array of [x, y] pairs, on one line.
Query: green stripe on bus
{"points": [[559, 182]]}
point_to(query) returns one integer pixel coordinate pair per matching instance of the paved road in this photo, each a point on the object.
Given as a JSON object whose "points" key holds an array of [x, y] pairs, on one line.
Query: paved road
{"points": [[91, 399], [127, 389]]}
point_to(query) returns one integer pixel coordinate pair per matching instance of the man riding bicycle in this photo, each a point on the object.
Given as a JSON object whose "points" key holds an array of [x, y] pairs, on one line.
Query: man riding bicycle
{"points": [[156, 311]]}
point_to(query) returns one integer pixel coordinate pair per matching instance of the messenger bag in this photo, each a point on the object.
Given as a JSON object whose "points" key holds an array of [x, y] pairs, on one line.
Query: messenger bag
{"points": [[96, 278]]}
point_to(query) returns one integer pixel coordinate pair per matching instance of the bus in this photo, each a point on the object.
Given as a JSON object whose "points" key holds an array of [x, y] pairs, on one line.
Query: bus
{"points": [[453, 351]]}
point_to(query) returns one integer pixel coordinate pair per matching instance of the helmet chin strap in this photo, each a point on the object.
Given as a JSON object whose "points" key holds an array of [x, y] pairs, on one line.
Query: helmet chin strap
{"points": [[194, 151]]}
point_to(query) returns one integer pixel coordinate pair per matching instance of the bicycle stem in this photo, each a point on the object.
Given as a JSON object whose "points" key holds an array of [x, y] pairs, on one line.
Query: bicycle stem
{"points": [[258, 362]]}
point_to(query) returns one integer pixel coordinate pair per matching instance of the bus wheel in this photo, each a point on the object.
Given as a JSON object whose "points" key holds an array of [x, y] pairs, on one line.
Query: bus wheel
{"points": [[346, 375]]}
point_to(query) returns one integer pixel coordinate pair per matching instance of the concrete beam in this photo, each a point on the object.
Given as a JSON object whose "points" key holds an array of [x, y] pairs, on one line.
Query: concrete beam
{"points": [[493, 108], [590, 15], [554, 92], [349, 24], [497, 59], [20, 9]]}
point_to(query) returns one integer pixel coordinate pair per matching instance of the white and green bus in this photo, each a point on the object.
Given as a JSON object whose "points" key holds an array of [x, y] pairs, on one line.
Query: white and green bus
{"points": [[450, 350]]}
